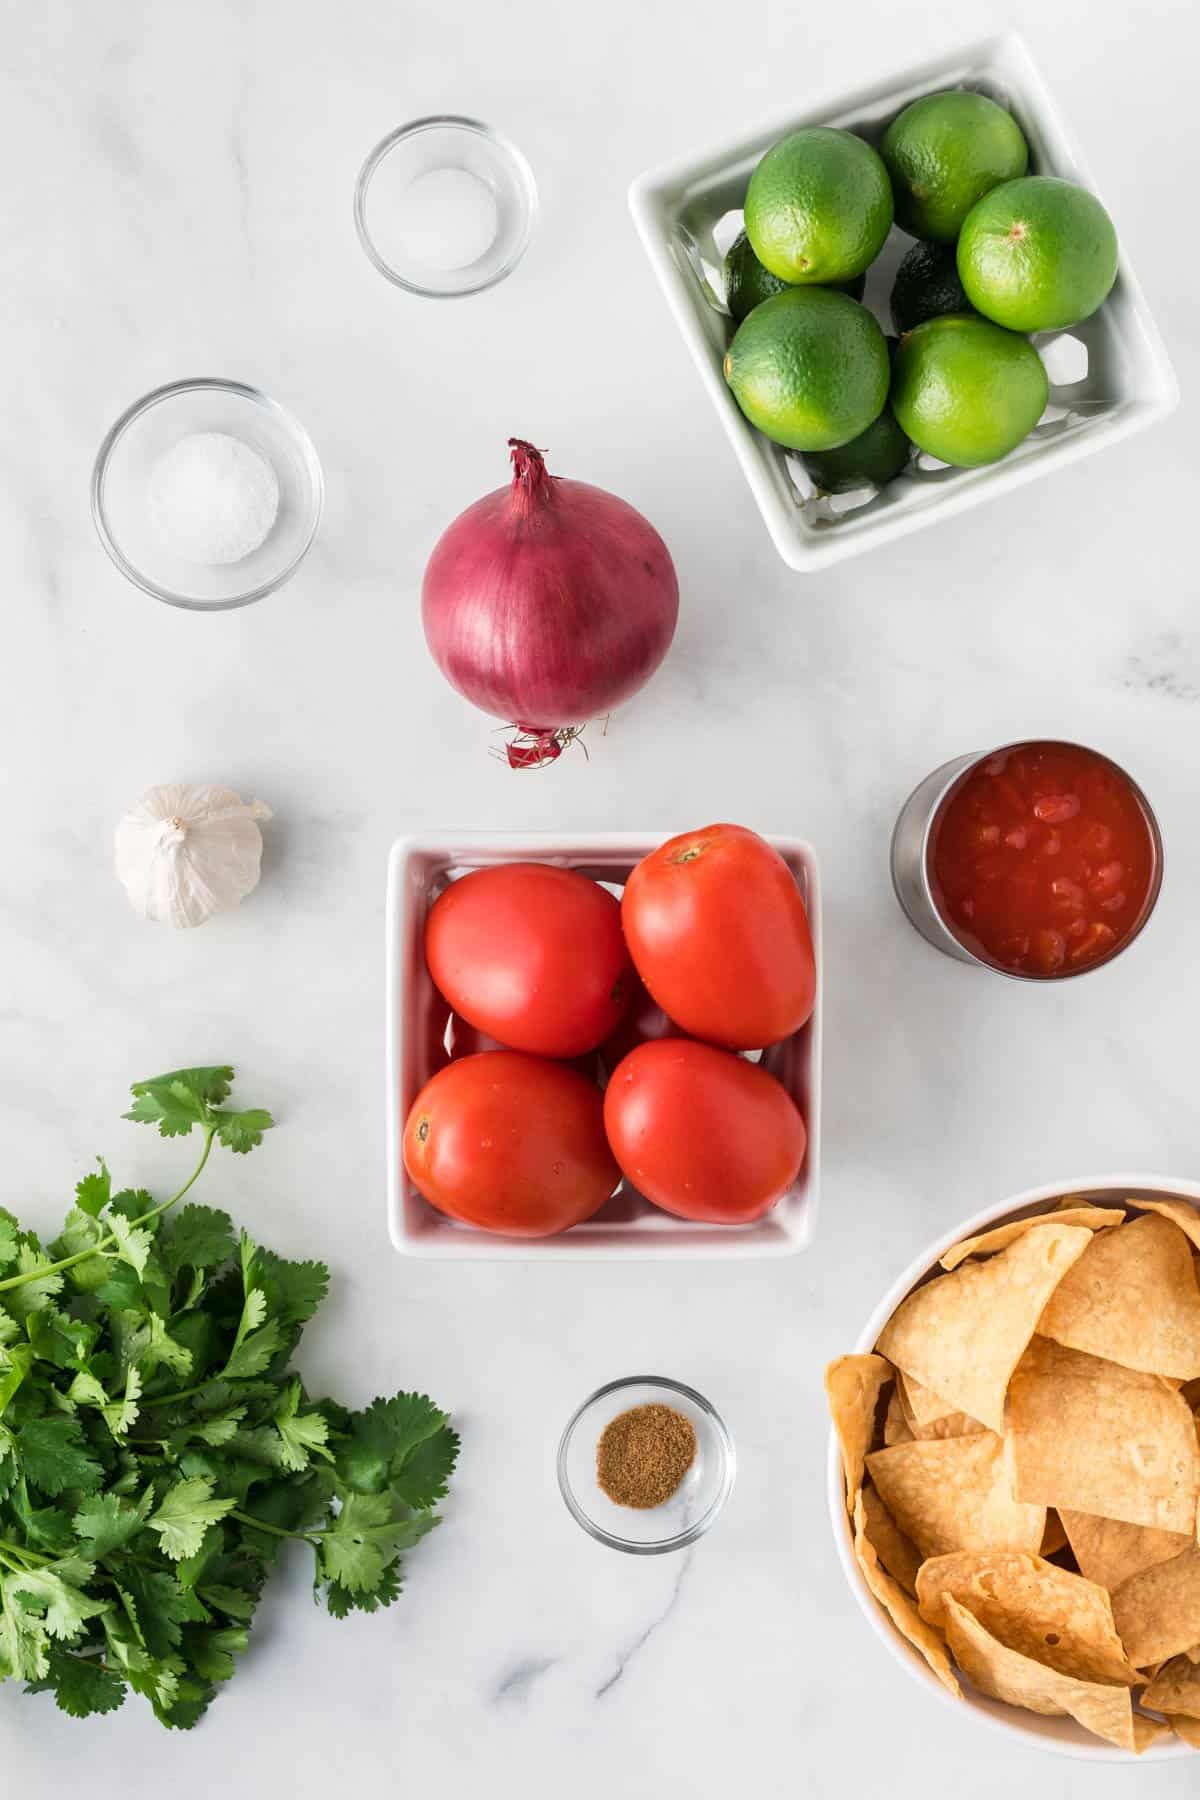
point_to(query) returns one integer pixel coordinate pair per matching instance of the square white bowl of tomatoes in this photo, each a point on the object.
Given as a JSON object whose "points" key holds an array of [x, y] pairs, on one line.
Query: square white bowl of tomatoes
{"points": [[603, 1046]]}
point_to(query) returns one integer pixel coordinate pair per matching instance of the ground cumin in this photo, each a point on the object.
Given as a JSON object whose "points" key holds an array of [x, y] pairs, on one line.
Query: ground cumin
{"points": [[644, 1454]]}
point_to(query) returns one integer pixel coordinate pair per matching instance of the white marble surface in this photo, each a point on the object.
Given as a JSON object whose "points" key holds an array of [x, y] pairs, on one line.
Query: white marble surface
{"points": [[177, 201]]}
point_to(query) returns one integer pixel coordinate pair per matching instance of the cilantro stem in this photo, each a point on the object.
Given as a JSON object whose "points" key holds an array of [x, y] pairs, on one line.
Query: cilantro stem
{"points": [[301, 1537], [26, 1558], [69, 1262]]}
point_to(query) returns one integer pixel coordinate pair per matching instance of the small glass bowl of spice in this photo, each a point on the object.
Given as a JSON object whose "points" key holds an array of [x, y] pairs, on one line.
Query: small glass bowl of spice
{"points": [[646, 1464]]}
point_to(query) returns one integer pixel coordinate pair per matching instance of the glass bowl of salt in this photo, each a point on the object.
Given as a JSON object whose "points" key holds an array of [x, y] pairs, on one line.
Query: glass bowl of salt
{"points": [[646, 1464], [207, 494], [445, 206]]}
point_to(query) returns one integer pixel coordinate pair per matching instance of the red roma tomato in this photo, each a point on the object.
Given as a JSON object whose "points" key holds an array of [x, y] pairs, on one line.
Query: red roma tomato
{"points": [[510, 1143], [718, 933], [531, 955], [644, 1023], [703, 1134]]}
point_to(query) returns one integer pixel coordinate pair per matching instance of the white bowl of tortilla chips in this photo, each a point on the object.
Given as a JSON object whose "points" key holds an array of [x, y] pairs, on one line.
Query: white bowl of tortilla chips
{"points": [[1014, 1473]]}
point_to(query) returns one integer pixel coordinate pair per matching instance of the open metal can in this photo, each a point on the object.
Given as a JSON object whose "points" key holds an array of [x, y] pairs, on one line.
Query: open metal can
{"points": [[914, 872]]}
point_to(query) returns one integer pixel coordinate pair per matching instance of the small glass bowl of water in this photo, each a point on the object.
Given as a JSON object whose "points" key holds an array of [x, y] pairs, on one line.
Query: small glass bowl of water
{"points": [[445, 206], [696, 1502]]}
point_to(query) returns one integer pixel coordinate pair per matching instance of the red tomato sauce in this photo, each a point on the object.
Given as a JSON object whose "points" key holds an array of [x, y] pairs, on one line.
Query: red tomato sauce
{"points": [[1042, 860]]}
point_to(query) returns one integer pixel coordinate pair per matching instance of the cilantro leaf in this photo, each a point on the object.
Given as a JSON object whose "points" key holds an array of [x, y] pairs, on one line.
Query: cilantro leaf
{"points": [[45, 1527], [15, 1365], [120, 1414], [341, 1600], [24, 1641], [81, 1685], [55, 1592], [385, 1436], [423, 1477], [51, 1453], [301, 1435], [198, 1237], [234, 1602], [168, 1102], [211, 1653], [363, 1540], [152, 1347], [134, 1203], [160, 1607], [37, 1290], [94, 1192], [243, 1131], [294, 1290], [105, 1522], [185, 1515], [8, 1238], [133, 1246]]}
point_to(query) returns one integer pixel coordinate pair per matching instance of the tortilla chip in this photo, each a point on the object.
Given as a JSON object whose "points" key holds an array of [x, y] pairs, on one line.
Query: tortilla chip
{"points": [[1109, 1551], [1187, 1729], [953, 1425], [1029, 1605], [956, 1494], [896, 1428], [1091, 1436], [899, 1608], [921, 1405], [1158, 1611], [1095, 1218], [962, 1334], [927, 1415], [1101, 1707], [1132, 1298], [897, 1553], [853, 1385], [1054, 1538], [1175, 1689], [1186, 1216]]}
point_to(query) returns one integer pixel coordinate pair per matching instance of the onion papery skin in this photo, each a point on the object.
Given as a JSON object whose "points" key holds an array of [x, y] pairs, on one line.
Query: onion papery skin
{"points": [[549, 602]]}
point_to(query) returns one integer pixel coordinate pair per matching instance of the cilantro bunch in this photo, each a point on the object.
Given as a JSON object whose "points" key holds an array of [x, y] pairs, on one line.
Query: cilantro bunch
{"points": [[157, 1450]]}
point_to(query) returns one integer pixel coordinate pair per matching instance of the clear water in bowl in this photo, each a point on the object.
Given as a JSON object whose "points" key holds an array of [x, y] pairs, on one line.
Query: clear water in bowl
{"points": [[445, 207]]}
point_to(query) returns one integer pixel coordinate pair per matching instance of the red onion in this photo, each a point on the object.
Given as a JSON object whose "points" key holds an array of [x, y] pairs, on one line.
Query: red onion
{"points": [[547, 603]]}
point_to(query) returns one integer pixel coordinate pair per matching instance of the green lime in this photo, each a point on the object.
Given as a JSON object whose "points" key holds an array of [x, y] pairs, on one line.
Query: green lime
{"points": [[809, 368], [1038, 254], [748, 284], [966, 391], [869, 460], [927, 286], [818, 206], [943, 153]]}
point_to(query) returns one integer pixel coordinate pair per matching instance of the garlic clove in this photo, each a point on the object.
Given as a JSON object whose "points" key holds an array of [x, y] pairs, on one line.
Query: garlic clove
{"points": [[185, 852]]}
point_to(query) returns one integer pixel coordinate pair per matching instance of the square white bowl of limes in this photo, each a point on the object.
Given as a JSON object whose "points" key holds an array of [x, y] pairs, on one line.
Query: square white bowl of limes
{"points": [[1108, 376]]}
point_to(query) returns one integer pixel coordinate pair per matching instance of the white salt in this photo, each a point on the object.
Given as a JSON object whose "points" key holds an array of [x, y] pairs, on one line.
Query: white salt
{"points": [[212, 498], [446, 219]]}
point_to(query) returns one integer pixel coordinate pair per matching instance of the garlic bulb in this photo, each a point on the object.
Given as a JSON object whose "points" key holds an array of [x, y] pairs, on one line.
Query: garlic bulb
{"points": [[184, 853]]}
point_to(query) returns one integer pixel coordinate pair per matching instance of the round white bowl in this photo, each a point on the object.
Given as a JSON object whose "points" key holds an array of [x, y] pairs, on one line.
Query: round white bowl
{"points": [[1061, 1736]]}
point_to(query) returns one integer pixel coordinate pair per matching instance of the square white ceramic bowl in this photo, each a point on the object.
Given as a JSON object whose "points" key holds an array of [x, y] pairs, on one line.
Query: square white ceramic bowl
{"points": [[627, 1226], [1060, 1735], [688, 212]]}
